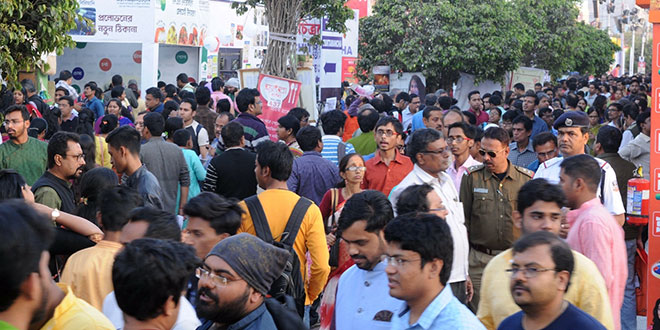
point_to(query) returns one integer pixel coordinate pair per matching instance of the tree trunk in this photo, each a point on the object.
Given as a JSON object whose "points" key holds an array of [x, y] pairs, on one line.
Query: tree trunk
{"points": [[283, 18]]}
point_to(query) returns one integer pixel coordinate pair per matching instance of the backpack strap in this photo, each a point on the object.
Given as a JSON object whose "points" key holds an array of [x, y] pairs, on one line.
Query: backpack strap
{"points": [[259, 219], [602, 186], [295, 220]]}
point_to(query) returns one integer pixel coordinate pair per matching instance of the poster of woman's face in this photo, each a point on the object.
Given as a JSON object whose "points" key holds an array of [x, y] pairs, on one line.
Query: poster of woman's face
{"points": [[656, 316], [416, 86]]}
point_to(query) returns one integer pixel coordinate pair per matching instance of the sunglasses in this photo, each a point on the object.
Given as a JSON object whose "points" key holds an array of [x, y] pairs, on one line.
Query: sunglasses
{"points": [[491, 154]]}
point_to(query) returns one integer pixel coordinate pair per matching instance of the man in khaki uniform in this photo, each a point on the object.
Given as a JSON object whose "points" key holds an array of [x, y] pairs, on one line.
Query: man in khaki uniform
{"points": [[489, 193]]}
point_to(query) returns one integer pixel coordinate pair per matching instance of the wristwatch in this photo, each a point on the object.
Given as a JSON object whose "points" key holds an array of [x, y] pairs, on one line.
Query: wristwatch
{"points": [[54, 215]]}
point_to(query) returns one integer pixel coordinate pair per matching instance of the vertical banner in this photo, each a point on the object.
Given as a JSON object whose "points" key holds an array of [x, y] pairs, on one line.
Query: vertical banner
{"points": [[348, 69], [653, 270], [382, 78], [278, 96]]}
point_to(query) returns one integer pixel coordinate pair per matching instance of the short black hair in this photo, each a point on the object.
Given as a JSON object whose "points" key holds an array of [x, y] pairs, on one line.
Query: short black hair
{"points": [[25, 114], [495, 100], [472, 93], [471, 118], [155, 123], [290, 122], [59, 145], [148, 272], [172, 124], [232, 133], [497, 133], [539, 190], [181, 137], [609, 138], [583, 167], [277, 157], [544, 110], [108, 123], [562, 255], [402, 96], [117, 80], [223, 106], [246, 97], [182, 77], [420, 140], [68, 99], [527, 123], [299, 113], [510, 115], [430, 99], [413, 199], [223, 214], [308, 138], [11, 184], [161, 84], [371, 206], [115, 206], [426, 113], [125, 136], [444, 102], [25, 235], [468, 130], [66, 91], [92, 85], [332, 121], [65, 75], [383, 121], [162, 224], [116, 91], [641, 118], [192, 102], [630, 110], [217, 84], [572, 100], [543, 138], [534, 95], [155, 92], [203, 96], [519, 86], [367, 119], [426, 234]]}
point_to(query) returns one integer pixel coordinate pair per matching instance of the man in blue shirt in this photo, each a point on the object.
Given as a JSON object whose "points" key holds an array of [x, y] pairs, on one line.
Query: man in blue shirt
{"points": [[540, 272], [419, 258], [92, 102], [530, 103]]}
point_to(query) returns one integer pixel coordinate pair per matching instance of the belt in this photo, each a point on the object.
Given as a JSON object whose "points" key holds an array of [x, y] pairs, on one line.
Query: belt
{"points": [[486, 250]]}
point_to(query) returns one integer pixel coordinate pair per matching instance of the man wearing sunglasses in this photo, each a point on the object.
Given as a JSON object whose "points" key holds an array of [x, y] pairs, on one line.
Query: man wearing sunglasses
{"points": [[573, 135], [489, 193], [539, 209]]}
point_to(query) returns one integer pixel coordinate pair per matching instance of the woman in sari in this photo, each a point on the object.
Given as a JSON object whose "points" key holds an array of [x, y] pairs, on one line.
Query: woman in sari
{"points": [[352, 170]]}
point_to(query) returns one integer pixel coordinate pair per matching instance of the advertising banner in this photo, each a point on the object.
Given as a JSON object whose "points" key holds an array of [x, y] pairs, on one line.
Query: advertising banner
{"points": [[114, 20], [653, 264], [181, 22], [278, 96], [348, 69]]}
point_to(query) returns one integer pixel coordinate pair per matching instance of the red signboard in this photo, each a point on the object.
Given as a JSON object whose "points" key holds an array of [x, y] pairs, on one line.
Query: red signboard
{"points": [[278, 96], [348, 69], [653, 273]]}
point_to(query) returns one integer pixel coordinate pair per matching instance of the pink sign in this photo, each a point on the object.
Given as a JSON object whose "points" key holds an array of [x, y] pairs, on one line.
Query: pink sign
{"points": [[278, 96]]}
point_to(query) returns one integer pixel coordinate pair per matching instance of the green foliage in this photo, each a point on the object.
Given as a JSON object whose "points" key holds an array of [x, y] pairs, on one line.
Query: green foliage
{"points": [[30, 28], [441, 38], [594, 55]]}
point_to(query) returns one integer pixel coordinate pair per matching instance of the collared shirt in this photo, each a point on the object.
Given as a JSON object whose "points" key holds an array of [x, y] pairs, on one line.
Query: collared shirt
{"points": [[75, 313], [188, 87], [587, 291], [382, 177], [457, 174], [28, 159], [596, 234], [539, 126], [444, 312], [186, 318], [364, 143], [146, 185], [159, 108], [417, 121], [488, 204], [550, 170], [166, 162], [96, 106], [312, 175], [406, 118], [444, 187], [89, 272], [363, 301], [482, 117], [523, 157], [254, 130], [638, 152], [331, 147]]}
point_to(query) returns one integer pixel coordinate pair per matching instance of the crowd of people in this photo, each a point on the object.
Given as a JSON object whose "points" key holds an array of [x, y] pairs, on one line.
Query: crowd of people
{"points": [[177, 210]]}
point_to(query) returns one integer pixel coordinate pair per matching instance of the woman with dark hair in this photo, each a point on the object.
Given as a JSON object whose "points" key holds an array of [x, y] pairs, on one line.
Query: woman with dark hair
{"points": [[85, 122], [172, 124], [656, 318], [114, 107], [416, 86], [171, 94], [287, 128], [600, 103], [595, 123], [107, 125], [20, 98], [92, 184], [170, 109], [73, 233], [119, 92]]}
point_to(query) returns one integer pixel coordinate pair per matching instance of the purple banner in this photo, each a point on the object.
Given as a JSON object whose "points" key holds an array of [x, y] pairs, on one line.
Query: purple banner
{"points": [[330, 42]]}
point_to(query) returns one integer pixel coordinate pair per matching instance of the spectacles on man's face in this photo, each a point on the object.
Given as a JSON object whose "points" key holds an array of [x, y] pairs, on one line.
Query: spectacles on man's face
{"points": [[388, 133], [13, 122], [397, 261], [437, 152], [78, 157], [202, 273], [528, 272], [458, 139], [491, 154]]}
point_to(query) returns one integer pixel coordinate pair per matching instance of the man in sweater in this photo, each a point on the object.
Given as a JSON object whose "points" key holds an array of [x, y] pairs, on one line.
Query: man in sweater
{"points": [[165, 160], [24, 154], [249, 104]]}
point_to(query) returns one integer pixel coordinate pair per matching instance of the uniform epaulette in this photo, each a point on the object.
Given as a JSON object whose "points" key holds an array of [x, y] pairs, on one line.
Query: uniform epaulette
{"points": [[474, 168], [525, 171]]}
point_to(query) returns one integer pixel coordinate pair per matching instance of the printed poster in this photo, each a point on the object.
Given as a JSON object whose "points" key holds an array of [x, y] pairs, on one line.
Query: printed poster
{"points": [[278, 96]]}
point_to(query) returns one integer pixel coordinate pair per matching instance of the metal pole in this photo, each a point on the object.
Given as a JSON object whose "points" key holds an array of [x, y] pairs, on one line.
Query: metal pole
{"points": [[623, 50], [632, 50]]}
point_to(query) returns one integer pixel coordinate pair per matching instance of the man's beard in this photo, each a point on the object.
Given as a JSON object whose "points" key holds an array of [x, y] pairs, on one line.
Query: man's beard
{"points": [[228, 313]]}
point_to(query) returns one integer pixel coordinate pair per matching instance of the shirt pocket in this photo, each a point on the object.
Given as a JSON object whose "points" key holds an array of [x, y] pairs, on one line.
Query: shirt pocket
{"points": [[483, 203]]}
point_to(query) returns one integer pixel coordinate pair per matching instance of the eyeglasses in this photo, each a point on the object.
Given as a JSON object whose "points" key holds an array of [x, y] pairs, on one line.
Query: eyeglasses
{"points": [[546, 154], [356, 168], [13, 121], [397, 261], [440, 209], [77, 157], [458, 139], [202, 273], [491, 154], [387, 133], [529, 272], [437, 152]]}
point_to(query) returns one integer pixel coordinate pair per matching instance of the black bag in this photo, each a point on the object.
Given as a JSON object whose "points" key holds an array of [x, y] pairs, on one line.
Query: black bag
{"points": [[291, 281], [284, 313]]}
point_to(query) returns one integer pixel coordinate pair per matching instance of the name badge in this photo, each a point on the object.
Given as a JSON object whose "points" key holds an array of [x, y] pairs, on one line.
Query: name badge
{"points": [[481, 190]]}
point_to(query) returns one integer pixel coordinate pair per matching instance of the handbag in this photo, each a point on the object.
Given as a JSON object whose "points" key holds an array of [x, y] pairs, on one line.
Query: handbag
{"points": [[334, 249]]}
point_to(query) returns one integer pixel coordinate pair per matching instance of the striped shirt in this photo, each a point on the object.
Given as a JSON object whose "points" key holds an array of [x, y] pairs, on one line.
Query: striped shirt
{"points": [[330, 145]]}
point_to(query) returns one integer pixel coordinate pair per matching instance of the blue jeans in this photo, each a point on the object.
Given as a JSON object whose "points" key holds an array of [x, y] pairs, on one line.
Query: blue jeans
{"points": [[629, 307], [306, 317]]}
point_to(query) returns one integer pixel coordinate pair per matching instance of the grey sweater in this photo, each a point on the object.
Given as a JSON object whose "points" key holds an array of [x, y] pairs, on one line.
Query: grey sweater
{"points": [[165, 160]]}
